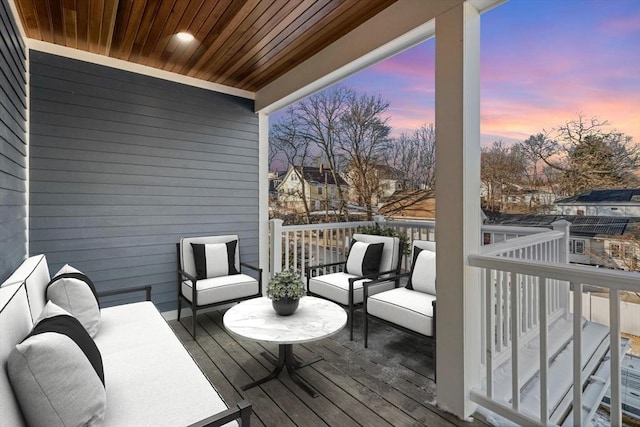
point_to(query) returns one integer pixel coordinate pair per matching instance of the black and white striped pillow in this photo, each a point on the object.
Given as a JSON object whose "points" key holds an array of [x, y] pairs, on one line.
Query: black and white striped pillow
{"points": [[364, 258], [73, 291], [215, 259], [56, 372]]}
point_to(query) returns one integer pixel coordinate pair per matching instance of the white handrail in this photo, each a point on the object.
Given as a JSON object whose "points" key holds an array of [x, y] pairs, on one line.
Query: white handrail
{"points": [[548, 275]]}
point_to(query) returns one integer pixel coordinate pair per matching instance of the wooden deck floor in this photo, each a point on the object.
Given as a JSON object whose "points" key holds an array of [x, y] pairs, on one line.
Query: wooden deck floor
{"points": [[391, 383]]}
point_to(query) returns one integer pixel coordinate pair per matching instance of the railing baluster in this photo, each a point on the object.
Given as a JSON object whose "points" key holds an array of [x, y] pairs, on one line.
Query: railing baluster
{"points": [[544, 357], [515, 332], [499, 308], [615, 366], [286, 252], [577, 353], [489, 330]]}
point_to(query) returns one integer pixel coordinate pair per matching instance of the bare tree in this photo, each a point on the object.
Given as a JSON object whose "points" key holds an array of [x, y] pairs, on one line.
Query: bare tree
{"points": [[363, 133], [502, 169], [586, 155], [414, 155], [319, 123], [286, 139]]}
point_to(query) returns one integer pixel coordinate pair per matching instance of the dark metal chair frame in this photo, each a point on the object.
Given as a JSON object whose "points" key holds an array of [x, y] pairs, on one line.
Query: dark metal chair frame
{"points": [[193, 304], [335, 267], [367, 316]]}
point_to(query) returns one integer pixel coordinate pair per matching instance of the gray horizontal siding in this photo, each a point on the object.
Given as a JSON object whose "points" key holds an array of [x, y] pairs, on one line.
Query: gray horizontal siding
{"points": [[123, 165], [13, 145]]}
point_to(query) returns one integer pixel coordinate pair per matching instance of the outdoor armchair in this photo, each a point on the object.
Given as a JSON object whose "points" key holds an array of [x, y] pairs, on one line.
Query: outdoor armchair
{"points": [[209, 274], [411, 308], [370, 257]]}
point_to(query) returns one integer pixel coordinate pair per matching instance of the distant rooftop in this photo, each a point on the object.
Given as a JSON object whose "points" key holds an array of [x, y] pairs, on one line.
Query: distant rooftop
{"points": [[604, 196], [581, 225]]}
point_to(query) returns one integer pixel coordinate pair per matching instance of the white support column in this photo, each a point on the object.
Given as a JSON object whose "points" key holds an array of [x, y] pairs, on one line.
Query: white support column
{"points": [[458, 207], [263, 195]]}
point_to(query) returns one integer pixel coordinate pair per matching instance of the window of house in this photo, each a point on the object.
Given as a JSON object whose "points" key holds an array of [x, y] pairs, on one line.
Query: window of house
{"points": [[628, 251], [319, 191], [576, 246], [614, 250], [486, 238]]}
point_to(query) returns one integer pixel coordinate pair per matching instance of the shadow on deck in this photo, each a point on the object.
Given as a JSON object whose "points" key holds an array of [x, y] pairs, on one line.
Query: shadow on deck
{"points": [[388, 384]]}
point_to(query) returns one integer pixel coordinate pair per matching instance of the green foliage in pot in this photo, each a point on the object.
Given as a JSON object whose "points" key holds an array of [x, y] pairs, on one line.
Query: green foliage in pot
{"points": [[286, 284]]}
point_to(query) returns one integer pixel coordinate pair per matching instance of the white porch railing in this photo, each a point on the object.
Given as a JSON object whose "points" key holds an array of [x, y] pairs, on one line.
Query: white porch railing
{"points": [[525, 283], [533, 289], [308, 244]]}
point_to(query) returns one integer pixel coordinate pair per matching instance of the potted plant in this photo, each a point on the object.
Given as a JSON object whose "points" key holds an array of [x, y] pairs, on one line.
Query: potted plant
{"points": [[285, 290]]}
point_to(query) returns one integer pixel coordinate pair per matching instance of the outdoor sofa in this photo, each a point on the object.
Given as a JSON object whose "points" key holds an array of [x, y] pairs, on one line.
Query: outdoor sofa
{"points": [[149, 379]]}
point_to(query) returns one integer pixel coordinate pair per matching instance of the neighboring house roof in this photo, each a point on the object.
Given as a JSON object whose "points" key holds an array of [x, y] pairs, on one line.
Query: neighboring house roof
{"points": [[603, 196], [411, 203], [581, 225], [319, 174]]}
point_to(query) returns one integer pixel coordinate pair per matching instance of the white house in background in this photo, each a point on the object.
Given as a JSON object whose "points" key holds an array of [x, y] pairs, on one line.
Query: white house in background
{"points": [[623, 202], [318, 185], [388, 183]]}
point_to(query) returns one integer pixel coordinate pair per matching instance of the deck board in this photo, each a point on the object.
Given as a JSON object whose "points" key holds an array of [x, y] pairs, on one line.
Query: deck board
{"points": [[388, 384]]}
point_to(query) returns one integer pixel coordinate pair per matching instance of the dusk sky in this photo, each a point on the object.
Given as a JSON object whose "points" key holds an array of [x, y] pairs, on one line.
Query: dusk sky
{"points": [[542, 63]]}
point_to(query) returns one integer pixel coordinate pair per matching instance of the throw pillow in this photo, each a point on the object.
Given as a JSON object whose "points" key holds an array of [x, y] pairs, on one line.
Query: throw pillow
{"points": [[423, 271], [56, 373], [364, 258], [75, 292], [215, 259]]}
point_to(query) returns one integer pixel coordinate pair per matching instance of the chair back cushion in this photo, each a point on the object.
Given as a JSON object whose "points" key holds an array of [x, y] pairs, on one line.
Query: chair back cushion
{"points": [[423, 268], [390, 259], [34, 273], [187, 260], [15, 325]]}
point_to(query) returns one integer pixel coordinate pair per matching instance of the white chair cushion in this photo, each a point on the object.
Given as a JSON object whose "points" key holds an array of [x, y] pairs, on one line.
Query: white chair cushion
{"points": [[134, 338], [404, 307], [223, 288], [335, 287]]}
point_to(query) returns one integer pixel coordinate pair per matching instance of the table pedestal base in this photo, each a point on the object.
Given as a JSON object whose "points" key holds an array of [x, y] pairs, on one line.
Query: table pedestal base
{"points": [[286, 359]]}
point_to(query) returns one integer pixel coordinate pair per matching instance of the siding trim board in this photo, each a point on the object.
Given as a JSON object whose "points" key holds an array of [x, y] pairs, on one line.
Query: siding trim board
{"points": [[13, 144], [123, 165]]}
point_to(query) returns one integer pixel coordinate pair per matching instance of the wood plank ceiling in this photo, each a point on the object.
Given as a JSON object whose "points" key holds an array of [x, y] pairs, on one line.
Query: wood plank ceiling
{"points": [[244, 44]]}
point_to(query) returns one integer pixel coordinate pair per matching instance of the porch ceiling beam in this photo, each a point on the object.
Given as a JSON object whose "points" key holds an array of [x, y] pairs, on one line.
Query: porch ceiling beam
{"points": [[397, 28]]}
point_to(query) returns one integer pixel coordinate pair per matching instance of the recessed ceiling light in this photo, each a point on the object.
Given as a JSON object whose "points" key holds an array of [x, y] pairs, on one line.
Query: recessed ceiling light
{"points": [[183, 36]]}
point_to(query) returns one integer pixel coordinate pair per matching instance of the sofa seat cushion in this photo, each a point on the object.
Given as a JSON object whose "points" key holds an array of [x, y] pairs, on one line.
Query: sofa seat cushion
{"points": [[218, 289], [407, 308], [335, 287], [167, 389]]}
